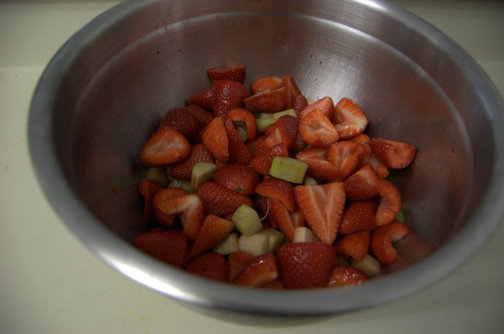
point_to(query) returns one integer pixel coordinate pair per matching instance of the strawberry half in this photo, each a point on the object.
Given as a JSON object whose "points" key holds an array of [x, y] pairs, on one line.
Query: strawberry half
{"points": [[355, 244], [256, 146], [209, 265], [258, 272], [345, 276], [169, 246], [394, 154], [148, 188], [322, 205], [358, 216], [361, 185], [245, 116], [261, 163], [228, 94], [163, 194], [219, 200], [213, 230], [349, 119], [203, 116], [317, 130], [236, 262], [204, 99], [182, 121], [239, 178], [215, 139], [190, 210], [183, 170], [165, 147], [266, 101], [238, 152], [291, 92], [345, 155], [325, 105], [306, 265], [318, 165], [382, 239], [265, 84], [282, 219], [235, 73], [391, 202], [283, 131], [279, 189]]}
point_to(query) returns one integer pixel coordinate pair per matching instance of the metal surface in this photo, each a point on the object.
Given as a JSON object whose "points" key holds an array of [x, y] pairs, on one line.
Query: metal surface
{"points": [[108, 86]]}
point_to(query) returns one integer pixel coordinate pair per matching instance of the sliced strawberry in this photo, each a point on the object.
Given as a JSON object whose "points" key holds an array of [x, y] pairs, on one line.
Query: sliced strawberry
{"points": [[349, 119], [239, 178], [317, 130], [261, 163], [382, 239], [236, 262], [300, 102], [266, 101], [245, 116], [258, 272], [267, 83], [163, 194], [279, 189], [345, 155], [263, 208], [361, 185], [380, 169], [276, 284], [238, 152], [291, 92], [228, 94], [209, 265], [256, 146], [282, 219], [165, 147], [322, 206], [390, 204], [306, 265], [355, 244], [190, 210], [325, 105], [169, 246], [358, 216], [213, 230], [183, 122], [203, 116], [148, 188], [318, 165], [219, 200], [345, 276], [285, 131], [235, 73], [183, 169], [394, 154], [204, 99], [216, 140]]}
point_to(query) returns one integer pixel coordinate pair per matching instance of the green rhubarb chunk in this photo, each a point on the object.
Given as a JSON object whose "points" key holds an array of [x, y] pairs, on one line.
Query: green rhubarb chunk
{"points": [[158, 175], [288, 169], [201, 172], [227, 245], [246, 220], [182, 184], [310, 181], [369, 265], [241, 129], [290, 112], [275, 237], [255, 244], [263, 123]]}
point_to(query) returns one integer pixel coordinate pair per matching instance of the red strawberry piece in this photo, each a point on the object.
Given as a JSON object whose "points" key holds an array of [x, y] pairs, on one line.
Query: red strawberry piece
{"points": [[204, 99], [382, 239], [322, 205], [235, 73], [276, 284], [245, 116], [238, 152], [239, 178], [267, 83], [148, 188], [361, 139], [219, 200], [349, 119], [183, 122], [306, 265], [345, 155], [169, 246], [361, 185], [378, 166], [203, 116], [345, 276], [183, 170], [318, 165], [256, 146], [285, 131], [165, 147], [358, 216], [258, 272], [355, 244], [236, 262], [262, 205], [261, 163], [266, 101], [300, 102], [292, 91], [283, 219], [317, 130], [228, 94], [209, 265], [394, 154], [325, 105], [213, 230], [163, 194], [216, 140], [190, 210], [279, 189], [390, 204]]}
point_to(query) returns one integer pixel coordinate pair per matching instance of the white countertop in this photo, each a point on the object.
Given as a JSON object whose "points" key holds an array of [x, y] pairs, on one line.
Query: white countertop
{"points": [[50, 283]]}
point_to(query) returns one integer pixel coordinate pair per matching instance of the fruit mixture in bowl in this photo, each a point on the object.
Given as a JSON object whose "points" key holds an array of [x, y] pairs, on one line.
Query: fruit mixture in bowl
{"points": [[264, 188]]}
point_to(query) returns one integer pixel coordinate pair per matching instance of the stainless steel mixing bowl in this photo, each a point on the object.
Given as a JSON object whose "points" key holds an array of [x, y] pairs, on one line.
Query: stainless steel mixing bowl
{"points": [[109, 85]]}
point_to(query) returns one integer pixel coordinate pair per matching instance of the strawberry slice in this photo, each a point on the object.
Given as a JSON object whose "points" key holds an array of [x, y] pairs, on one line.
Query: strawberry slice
{"points": [[213, 230], [318, 165], [183, 170], [169, 246], [261, 163], [165, 147], [382, 239], [380, 169], [291, 92], [317, 130], [306, 265], [236, 262], [238, 152], [228, 94], [358, 216], [204, 99], [148, 188], [355, 244], [235, 73], [345, 276], [394, 154], [391, 202], [266, 101], [219, 200], [284, 130], [349, 119], [258, 272], [163, 194], [325, 105], [345, 155], [209, 265], [361, 185], [264, 84], [203, 116], [245, 116], [190, 210], [182, 121], [299, 103], [216, 140], [239, 178], [279, 189], [282, 219], [322, 206], [257, 146]]}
